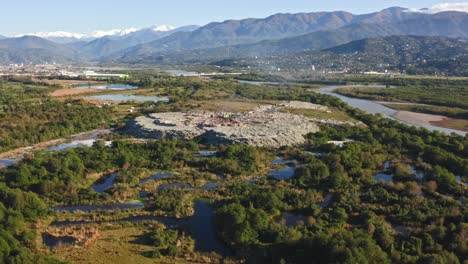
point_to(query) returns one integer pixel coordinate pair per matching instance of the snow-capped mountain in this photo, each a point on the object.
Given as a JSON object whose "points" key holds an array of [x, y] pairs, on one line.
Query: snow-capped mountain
{"points": [[68, 37], [55, 34], [112, 32], [163, 28]]}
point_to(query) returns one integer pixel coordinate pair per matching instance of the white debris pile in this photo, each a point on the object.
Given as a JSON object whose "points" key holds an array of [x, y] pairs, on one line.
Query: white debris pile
{"points": [[264, 126]]}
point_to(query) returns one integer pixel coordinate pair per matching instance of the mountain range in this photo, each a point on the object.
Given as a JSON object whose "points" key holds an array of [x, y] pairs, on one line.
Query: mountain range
{"points": [[272, 36]]}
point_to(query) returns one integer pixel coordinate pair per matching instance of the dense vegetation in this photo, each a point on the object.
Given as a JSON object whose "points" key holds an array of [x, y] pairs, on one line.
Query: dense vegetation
{"points": [[331, 211], [441, 95], [28, 116]]}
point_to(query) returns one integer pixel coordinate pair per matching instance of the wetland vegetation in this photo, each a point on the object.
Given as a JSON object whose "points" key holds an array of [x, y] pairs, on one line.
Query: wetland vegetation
{"points": [[336, 210]]}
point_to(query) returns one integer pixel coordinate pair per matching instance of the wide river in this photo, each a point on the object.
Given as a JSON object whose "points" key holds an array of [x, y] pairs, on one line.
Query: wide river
{"points": [[368, 106], [372, 107]]}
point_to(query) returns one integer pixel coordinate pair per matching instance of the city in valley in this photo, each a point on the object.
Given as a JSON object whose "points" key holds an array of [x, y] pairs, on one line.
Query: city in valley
{"points": [[313, 136]]}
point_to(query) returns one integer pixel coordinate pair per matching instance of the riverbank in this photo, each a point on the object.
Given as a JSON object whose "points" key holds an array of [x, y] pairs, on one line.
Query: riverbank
{"points": [[427, 121]]}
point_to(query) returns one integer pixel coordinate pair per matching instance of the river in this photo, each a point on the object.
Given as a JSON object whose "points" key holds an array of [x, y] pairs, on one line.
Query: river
{"points": [[368, 106], [372, 107]]}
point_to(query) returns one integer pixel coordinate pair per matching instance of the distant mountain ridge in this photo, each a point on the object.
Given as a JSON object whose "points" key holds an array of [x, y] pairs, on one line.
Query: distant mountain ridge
{"points": [[30, 49], [279, 26], [276, 35], [447, 24], [110, 44]]}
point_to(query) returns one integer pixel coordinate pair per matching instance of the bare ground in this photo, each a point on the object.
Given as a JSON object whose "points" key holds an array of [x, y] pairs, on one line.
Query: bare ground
{"points": [[69, 92], [418, 118]]}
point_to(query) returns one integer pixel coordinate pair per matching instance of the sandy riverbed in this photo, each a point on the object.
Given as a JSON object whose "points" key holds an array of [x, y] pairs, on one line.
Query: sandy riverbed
{"points": [[418, 118]]}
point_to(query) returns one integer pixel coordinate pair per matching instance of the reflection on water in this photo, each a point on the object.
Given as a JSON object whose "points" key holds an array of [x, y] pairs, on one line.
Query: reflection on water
{"points": [[108, 86], [283, 174], [291, 219], [127, 97], [76, 144], [211, 186], [383, 177], [158, 176], [201, 226], [376, 108], [5, 163], [326, 202], [53, 241], [206, 153], [109, 181]]}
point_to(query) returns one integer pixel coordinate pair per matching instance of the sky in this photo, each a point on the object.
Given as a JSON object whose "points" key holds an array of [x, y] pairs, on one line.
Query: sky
{"points": [[85, 16]]}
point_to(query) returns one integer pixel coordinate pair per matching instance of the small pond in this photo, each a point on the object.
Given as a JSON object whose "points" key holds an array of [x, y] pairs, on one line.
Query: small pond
{"points": [[128, 97], [326, 201], [206, 153], [53, 241], [201, 226], [76, 144], [292, 219], [383, 177], [116, 86], [285, 173], [5, 163], [108, 182], [158, 176], [211, 186]]}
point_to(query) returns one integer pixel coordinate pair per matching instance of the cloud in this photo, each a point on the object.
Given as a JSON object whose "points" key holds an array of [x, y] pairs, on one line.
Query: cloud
{"points": [[460, 7]]}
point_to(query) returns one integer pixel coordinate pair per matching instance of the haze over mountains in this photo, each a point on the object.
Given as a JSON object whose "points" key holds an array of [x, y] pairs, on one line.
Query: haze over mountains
{"points": [[277, 34]]}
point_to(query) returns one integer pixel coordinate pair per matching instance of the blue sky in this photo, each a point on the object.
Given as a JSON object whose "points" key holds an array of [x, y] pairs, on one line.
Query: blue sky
{"points": [[84, 16]]}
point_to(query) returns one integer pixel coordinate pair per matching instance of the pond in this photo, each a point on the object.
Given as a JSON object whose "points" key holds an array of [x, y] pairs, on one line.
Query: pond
{"points": [[117, 86], [211, 186], [326, 201], [292, 219], [128, 97], [201, 226], [5, 163], [285, 173], [91, 208], [206, 153], [108, 182], [76, 144], [158, 176], [53, 241], [383, 177]]}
